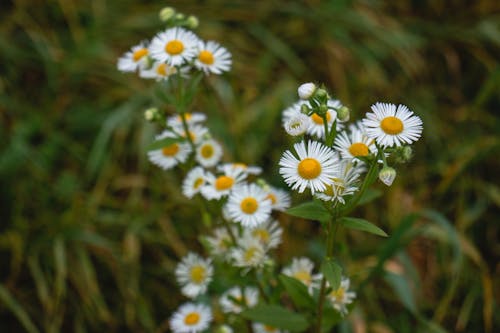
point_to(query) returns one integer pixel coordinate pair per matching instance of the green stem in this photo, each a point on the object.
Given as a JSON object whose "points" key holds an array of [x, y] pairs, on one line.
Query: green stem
{"points": [[261, 287]]}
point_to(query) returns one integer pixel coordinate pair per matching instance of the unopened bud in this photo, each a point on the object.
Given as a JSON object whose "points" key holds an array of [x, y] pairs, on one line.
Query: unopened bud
{"points": [[322, 109], [306, 90], [304, 108], [180, 16], [166, 14], [192, 22], [224, 329], [321, 93], [402, 154], [343, 114], [387, 175], [150, 114]]}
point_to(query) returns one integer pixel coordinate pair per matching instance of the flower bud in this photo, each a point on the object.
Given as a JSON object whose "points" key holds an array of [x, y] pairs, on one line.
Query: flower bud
{"points": [[321, 94], [180, 16], [343, 113], [387, 175], [297, 125], [150, 114], [166, 14], [322, 109], [306, 90], [402, 154], [304, 108], [192, 22], [224, 329]]}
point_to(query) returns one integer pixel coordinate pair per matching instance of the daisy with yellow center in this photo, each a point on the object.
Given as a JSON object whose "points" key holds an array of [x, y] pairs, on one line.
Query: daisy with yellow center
{"points": [[313, 167], [212, 58], [392, 125], [355, 144], [171, 154], [208, 153], [249, 253], [246, 169], [194, 181], [192, 118], [159, 71], [268, 233], [197, 133], [280, 199], [341, 297], [343, 184], [219, 186], [302, 270], [220, 242], [175, 46], [248, 204], [232, 301], [136, 58], [194, 274], [191, 318]]}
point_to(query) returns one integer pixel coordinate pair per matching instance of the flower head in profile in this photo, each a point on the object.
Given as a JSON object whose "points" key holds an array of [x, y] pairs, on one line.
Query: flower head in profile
{"points": [[233, 301], [191, 318], [249, 205], [280, 199], [313, 167], [175, 46], [136, 58], [343, 184], [212, 58], [341, 297], [192, 118], [171, 154], [249, 253], [392, 125], [246, 169], [302, 270], [220, 242], [268, 233], [194, 274]]}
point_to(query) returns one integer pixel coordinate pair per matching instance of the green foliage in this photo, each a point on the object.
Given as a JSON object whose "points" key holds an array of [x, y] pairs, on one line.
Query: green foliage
{"points": [[276, 316]]}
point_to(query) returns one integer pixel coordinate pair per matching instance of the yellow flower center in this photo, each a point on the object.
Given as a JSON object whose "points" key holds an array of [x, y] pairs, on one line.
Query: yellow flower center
{"points": [[338, 294], [207, 151], [303, 276], [198, 274], [273, 198], [223, 183], [392, 125], [206, 57], [249, 205], [309, 168], [338, 185], [139, 54], [359, 149], [174, 47], [162, 70], [318, 119], [170, 150], [198, 182], [262, 234], [250, 253], [192, 318]]}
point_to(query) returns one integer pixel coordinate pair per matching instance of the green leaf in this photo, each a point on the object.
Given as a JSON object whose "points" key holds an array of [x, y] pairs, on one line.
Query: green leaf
{"points": [[362, 224], [297, 291], [277, 316], [312, 210], [369, 195], [332, 272], [165, 142]]}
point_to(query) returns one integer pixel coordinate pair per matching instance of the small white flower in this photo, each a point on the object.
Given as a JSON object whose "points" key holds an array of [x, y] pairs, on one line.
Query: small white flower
{"points": [[342, 296], [315, 166], [212, 58], [298, 124], [355, 145], [221, 242], [134, 59], [194, 274], [280, 199], [317, 127], [292, 112], [220, 186], [197, 133], [233, 302], [343, 184], [191, 318], [159, 71], [249, 253], [209, 153], [194, 181], [248, 204], [392, 126], [170, 155], [175, 46], [268, 233], [246, 169], [387, 175], [306, 90], [191, 119], [302, 270]]}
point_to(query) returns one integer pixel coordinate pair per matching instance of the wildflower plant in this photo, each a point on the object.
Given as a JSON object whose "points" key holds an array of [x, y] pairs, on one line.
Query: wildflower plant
{"points": [[333, 162]]}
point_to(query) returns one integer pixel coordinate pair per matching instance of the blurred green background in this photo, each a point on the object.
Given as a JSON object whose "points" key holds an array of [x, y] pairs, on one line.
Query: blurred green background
{"points": [[90, 232]]}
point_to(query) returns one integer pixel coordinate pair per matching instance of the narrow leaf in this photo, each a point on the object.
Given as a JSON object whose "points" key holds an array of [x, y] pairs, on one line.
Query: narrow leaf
{"points": [[312, 210], [277, 316], [297, 291], [13, 305], [165, 142], [363, 225], [332, 272]]}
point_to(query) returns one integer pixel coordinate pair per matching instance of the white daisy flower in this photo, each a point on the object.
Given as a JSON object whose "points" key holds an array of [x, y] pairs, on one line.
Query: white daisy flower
{"points": [[220, 242], [249, 253], [220, 186], [191, 119], [191, 318], [175, 46], [170, 155], [292, 112], [268, 233], [315, 166], [247, 169], [298, 124], [209, 153], [159, 71], [194, 181], [302, 269], [343, 184], [357, 144], [392, 126], [233, 302], [197, 133], [248, 204], [261, 328], [342, 296], [194, 274], [212, 58], [134, 59], [280, 199]]}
